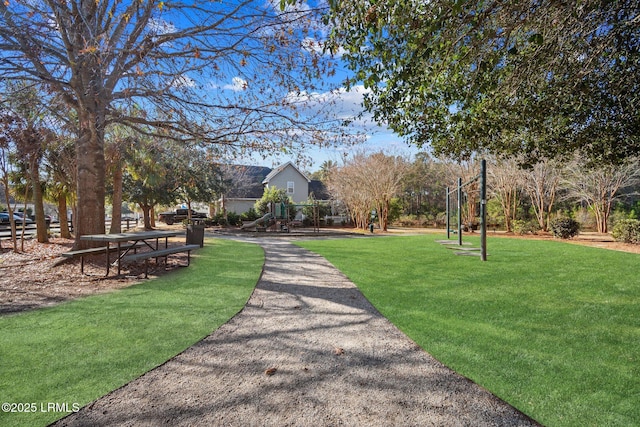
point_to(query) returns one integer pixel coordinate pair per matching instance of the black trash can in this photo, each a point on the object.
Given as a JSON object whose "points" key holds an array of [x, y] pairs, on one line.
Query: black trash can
{"points": [[195, 235]]}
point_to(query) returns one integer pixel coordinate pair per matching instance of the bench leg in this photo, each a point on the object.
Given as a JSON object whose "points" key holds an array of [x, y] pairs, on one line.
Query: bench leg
{"points": [[81, 264]]}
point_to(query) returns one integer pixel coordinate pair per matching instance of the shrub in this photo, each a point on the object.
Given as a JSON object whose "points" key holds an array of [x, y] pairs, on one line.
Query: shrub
{"points": [[565, 228], [273, 195], [233, 219], [407, 221], [219, 219], [250, 215], [523, 227], [627, 231], [471, 226], [440, 219], [308, 210]]}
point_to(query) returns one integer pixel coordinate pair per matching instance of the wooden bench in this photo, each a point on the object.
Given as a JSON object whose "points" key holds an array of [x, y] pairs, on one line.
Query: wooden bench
{"points": [[160, 253], [99, 250]]}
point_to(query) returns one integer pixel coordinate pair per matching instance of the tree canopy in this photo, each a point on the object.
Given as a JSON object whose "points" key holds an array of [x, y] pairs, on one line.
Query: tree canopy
{"points": [[234, 74], [542, 78]]}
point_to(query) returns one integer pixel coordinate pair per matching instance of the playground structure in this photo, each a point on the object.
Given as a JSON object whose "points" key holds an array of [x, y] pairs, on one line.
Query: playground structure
{"points": [[279, 218], [482, 177], [265, 221]]}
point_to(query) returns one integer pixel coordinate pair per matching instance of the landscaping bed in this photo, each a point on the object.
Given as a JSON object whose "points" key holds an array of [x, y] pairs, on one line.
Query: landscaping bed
{"points": [[38, 276]]}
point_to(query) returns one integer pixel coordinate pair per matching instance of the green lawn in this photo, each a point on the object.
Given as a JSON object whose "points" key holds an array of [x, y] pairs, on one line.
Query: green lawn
{"points": [[550, 327], [81, 350]]}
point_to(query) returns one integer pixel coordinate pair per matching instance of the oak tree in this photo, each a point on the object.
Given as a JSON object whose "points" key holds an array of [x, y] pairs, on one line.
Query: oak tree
{"points": [[462, 76], [235, 74]]}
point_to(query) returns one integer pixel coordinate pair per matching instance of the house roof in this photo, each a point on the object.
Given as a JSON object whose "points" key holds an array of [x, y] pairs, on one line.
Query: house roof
{"points": [[245, 181], [319, 190], [279, 169]]}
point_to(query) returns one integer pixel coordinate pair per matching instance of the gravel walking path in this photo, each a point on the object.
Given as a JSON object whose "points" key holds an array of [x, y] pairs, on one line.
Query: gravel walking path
{"points": [[307, 350]]}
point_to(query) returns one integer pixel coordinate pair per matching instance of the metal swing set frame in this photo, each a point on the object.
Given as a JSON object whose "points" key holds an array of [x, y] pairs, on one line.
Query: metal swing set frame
{"points": [[482, 177]]}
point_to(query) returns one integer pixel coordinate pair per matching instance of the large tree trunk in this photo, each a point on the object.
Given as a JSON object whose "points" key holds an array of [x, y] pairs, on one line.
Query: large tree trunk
{"points": [[152, 217], [91, 177], [146, 214], [602, 218], [116, 212], [12, 223], [385, 215], [41, 224], [62, 216]]}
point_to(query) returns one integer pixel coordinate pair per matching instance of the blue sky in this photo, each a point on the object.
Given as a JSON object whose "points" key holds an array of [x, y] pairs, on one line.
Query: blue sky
{"points": [[378, 138], [230, 83], [344, 105]]}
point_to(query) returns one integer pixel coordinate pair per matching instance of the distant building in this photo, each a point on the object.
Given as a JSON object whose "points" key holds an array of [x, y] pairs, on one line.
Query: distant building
{"points": [[247, 184]]}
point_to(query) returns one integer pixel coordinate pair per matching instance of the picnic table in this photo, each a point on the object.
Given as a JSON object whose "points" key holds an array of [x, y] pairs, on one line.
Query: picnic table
{"points": [[127, 242]]}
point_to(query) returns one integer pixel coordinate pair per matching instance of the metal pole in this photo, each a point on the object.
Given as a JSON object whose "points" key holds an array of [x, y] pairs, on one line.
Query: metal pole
{"points": [[483, 210], [460, 211], [448, 224]]}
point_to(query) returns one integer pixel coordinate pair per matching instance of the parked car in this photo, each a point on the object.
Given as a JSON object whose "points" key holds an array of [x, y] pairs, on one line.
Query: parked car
{"points": [[4, 218], [180, 215]]}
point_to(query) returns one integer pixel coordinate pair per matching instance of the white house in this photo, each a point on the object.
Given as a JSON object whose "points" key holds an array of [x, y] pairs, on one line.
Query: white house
{"points": [[248, 183], [289, 177]]}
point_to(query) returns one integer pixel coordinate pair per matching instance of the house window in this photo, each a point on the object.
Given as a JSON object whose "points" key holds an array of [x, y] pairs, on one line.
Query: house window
{"points": [[289, 187]]}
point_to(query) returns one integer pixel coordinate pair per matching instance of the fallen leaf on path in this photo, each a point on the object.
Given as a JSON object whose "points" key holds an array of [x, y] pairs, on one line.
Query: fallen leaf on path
{"points": [[270, 371]]}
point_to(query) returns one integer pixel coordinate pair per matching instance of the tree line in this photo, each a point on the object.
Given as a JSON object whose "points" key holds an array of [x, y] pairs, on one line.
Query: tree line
{"points": [[538, 82], [39, 165], [519, 198]]}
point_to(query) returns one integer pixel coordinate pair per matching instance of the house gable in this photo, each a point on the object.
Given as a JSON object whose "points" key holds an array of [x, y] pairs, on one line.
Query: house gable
{"points": [[289, 177]]}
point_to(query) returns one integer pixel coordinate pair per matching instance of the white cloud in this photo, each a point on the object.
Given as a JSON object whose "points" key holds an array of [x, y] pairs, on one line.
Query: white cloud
{"points": [[182, 81], [237, 84], [160, 26], [312, 45], [346, 105]]}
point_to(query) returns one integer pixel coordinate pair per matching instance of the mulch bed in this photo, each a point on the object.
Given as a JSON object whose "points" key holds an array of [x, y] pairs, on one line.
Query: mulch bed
{"points": [[37, 276]]}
